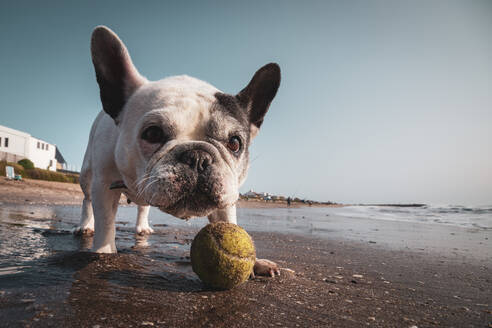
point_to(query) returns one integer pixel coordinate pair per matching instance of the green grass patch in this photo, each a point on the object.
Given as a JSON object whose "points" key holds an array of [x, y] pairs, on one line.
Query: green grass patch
{"points": [[27, 164], [39, 174]]}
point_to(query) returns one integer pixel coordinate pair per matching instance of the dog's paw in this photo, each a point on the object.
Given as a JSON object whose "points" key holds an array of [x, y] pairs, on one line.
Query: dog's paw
{"points": [[265, 268], [144, 230], [105, 248], [81, 231]]}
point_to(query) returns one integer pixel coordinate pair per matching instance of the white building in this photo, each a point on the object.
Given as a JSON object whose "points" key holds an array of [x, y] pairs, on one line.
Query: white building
{"points": [[250, 193], [16, 145]]}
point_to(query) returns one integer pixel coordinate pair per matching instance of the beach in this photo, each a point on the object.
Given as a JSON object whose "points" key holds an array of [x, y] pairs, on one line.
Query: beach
{"points": [[339, 268]]}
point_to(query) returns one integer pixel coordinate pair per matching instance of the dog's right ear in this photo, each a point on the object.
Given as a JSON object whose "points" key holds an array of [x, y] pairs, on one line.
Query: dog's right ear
{"points": [[259, 93], [117, 76]]}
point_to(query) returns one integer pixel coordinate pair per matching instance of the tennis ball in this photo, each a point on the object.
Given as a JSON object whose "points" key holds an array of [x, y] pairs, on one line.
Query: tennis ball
{"points": [[223, 255]]}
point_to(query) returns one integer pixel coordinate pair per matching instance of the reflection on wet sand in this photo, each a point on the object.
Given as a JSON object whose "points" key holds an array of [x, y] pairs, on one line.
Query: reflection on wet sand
{"points": [[21, 241], [41, 259], [141, 241]]}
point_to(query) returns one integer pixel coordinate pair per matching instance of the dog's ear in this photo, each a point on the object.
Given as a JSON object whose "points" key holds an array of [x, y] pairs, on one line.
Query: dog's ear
{"points": [[117, 76], [259, 93]]}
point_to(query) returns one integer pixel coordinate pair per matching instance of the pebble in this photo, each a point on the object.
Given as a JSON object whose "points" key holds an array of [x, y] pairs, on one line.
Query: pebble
{"points": [[357, 276], [27, 300], [329, 281]]}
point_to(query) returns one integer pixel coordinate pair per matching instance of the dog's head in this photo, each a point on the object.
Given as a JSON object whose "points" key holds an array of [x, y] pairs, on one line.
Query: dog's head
{"points": [[183, 144]]}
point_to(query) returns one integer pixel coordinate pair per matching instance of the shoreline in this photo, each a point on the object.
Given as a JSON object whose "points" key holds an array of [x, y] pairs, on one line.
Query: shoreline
{"points": [[40, 192]]}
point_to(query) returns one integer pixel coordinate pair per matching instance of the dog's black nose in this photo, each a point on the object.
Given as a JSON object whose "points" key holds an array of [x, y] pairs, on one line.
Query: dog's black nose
{"points": [[197, 159]]}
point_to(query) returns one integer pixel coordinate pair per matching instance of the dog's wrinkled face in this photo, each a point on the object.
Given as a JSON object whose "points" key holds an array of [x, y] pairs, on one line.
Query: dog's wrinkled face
{"points": [[192, 143], [183, 144]]}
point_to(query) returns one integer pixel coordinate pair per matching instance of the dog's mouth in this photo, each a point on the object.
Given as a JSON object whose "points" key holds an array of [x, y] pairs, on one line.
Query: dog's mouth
{"points": [[193, 206], [189, 180], [196, 204], [184, 193]]}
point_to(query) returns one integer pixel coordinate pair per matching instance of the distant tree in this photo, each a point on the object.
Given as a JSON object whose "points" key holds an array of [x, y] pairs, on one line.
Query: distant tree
{"points": [[27, 164]]}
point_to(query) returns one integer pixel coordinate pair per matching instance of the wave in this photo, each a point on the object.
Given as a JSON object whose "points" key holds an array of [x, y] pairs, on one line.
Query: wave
{"points": [[479, 217]]}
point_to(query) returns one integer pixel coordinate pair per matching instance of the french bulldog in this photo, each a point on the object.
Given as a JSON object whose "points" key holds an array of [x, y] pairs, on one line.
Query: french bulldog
{"points": [[178, 144]]}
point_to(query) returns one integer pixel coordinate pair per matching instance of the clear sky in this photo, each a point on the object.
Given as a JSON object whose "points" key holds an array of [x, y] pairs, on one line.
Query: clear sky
{"points": [[380, 101]]}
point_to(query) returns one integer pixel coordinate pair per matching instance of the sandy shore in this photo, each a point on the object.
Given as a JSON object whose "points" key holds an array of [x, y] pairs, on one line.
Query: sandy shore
{"points": [[39, 192], [47, 279]]}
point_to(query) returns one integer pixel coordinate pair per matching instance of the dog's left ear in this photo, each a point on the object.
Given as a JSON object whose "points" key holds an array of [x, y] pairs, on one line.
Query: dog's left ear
{"points": [[117, 76], [259, 93]]}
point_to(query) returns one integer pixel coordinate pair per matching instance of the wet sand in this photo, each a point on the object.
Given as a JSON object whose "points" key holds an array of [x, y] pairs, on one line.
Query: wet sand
{"points": [[344, 274]]}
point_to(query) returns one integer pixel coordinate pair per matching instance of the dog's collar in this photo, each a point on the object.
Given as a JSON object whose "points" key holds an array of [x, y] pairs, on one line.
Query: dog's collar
{"points": [[118, 185]]}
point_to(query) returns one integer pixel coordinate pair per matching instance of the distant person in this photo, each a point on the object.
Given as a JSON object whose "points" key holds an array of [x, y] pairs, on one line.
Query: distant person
{"points": [[288, 201]]}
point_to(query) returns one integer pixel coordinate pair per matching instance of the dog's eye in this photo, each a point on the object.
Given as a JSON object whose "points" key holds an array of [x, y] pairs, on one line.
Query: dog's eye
{"points": [[234, 144], [153, 134]]}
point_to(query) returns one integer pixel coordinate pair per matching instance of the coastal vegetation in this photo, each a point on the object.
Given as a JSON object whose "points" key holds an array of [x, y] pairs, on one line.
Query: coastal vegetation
{"points": [[26, 171]]}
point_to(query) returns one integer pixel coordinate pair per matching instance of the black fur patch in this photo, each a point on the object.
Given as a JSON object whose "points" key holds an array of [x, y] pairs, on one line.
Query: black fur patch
{"points": [[112, 96], [260, 92], [230, 104]]}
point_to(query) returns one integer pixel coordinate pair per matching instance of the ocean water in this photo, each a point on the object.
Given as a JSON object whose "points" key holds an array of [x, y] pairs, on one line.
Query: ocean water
{"points": [[361, 218], [456, 232], [479, 217]]}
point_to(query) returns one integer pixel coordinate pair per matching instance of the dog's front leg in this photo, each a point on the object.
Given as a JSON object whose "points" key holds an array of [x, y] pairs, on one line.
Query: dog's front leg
{"points": [[143, 227], [227, 214], [105, 204], [262, 267]]}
